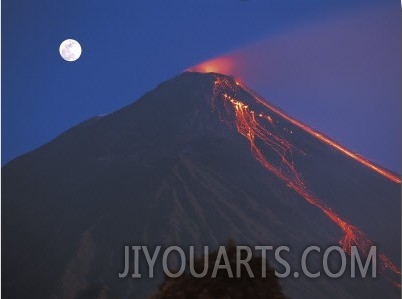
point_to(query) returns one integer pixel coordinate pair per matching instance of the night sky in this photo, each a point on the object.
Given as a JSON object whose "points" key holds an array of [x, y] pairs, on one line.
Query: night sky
{"points": [[334, 65]]}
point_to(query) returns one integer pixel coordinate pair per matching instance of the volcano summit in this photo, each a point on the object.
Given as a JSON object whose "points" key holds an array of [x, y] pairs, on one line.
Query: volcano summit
{"points": [[197, 161]]}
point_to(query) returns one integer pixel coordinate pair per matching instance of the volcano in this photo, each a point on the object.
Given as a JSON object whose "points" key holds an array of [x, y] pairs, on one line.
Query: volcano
{"points": [[197, 161]]}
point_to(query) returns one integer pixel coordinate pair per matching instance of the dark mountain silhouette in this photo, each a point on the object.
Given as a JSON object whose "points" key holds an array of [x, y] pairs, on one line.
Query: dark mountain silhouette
{"points": [[198, 160]]}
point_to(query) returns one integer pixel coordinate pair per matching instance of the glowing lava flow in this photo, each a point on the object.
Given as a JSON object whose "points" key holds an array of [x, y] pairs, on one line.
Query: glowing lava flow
{"points": [[329, 141], [254, 127]]}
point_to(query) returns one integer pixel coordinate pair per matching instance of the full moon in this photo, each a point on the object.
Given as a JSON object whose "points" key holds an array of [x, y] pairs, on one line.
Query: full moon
{"points": [[70, 50]]}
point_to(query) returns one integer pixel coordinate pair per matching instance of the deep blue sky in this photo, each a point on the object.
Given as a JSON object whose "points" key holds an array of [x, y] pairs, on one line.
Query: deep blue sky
{"points": [[131, 46]]}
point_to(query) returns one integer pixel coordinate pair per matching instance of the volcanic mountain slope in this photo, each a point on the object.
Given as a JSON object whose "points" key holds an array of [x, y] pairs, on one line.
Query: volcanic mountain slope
{"points": [[197, 161]]}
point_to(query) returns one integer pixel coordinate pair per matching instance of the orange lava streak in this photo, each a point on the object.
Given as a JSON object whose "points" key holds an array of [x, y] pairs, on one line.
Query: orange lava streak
{"points": [[329, 141], [248, 125]]}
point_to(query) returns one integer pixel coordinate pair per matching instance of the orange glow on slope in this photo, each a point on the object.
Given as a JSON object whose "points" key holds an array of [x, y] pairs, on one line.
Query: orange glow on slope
{"points": [[384, 172], [258, 129], [389, 175]]}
